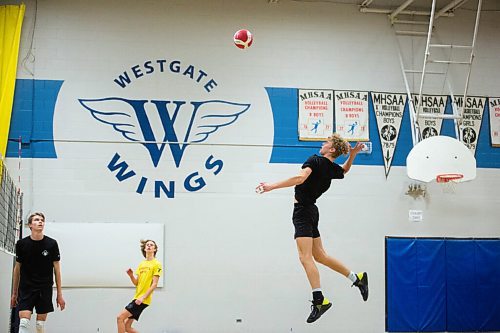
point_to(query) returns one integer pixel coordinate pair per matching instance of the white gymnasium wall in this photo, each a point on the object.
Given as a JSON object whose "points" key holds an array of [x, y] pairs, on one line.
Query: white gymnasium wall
{"points": [[228, 253], [117, 244]]}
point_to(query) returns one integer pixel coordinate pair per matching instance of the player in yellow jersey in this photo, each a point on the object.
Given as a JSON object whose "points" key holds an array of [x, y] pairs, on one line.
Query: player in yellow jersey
{"points": [[146, 280]]}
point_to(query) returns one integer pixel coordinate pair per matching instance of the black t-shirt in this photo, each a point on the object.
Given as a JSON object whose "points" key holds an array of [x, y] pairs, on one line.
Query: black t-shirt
{"points": [[323, 171], [37, 261]]}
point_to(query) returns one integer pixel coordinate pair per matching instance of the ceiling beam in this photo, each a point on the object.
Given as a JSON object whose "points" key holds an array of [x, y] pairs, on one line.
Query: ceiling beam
{"points": [[450, 7], [404, 12], [400, 9]]}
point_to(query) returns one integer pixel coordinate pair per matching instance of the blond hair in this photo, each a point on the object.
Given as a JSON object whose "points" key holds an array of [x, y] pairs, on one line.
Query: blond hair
{"points": [[143, 246], [340, 144]]}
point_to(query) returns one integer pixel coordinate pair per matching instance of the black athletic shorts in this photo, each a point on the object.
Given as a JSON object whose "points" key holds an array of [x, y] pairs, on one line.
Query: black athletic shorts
{"points": [[135, 309], [305, 219], [39, 298]]}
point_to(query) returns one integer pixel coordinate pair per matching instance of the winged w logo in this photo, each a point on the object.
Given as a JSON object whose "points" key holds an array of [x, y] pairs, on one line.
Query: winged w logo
{"points": [[130, 119]]}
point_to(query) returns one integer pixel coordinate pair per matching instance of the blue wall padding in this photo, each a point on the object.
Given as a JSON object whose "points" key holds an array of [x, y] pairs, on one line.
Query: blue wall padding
{"points": [[461, 288], [484, 284], [431, 277], [438, 285], [401, 285], [415, 285]]}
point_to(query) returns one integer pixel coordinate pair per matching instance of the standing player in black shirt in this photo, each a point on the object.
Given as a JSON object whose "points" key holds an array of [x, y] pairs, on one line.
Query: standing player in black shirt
{"points": [[312, 181], [37, 261]]}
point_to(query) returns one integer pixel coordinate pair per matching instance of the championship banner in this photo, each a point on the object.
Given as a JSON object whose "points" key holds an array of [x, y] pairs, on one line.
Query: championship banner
{"points": [[471, 122], [351, 115], [389, 109], [435, 104], [494, 103], [315, 114]]}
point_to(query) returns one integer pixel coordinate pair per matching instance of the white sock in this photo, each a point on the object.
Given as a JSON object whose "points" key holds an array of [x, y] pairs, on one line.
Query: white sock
{"points": [[317, 289], [353, 277], [24, 325], [40, 326]]}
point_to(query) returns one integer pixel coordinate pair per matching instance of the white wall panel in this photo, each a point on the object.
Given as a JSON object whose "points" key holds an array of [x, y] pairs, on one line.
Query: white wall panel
{"points": [[111, 249]]}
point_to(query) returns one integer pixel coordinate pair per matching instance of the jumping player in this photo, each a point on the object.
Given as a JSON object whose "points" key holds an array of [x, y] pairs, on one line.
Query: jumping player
{"points": [[146, 281], [310, 183]]}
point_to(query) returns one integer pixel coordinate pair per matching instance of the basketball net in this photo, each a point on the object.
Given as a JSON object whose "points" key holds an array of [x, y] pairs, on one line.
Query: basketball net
{"points": [[448, 181]]}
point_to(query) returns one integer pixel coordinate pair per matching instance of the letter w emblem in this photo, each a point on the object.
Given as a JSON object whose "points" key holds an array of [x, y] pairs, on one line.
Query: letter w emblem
{"points": [[130, 119]]}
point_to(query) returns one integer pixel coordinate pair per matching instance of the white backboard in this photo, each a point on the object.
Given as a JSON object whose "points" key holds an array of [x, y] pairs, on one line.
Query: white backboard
{"points": [[439, 155]]}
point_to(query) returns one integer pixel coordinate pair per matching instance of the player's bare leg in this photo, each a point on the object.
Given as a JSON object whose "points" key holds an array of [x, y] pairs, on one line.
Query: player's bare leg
{"points": [[359, 280], [120, 320], [323, 258], [128, 326], [305, 247], [320, 304]]}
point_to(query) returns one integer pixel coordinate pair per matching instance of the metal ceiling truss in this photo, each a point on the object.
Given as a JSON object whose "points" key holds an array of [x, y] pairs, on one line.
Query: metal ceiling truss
{"points": [[448, 10], [394, 15]]}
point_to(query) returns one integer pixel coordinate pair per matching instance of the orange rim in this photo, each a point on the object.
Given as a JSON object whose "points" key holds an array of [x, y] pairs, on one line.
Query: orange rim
{"points": [[447, 177]]}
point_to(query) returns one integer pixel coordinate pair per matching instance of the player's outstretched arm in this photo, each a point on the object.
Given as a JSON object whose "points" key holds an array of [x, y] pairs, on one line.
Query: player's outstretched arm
{"points": [[292, 181], [352, 155]]}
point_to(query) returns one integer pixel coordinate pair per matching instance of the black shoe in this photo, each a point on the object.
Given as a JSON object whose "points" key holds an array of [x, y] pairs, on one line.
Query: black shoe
{"points": [[362, 284], [318, 310]]}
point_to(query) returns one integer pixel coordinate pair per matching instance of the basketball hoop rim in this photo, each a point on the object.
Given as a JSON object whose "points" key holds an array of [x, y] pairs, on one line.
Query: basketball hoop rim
{"points": [[448, 177]]}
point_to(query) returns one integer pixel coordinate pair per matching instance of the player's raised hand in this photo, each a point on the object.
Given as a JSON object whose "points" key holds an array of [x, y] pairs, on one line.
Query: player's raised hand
{"points": [[357, 148]]}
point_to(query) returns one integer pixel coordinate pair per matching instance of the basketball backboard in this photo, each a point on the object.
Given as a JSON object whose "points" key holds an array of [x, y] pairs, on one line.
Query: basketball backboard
{"points": [[439, 155]]}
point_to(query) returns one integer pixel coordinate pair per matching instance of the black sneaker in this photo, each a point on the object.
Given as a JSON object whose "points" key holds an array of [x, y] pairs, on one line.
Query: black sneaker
{"points": [[318, 310], [362, 284]]}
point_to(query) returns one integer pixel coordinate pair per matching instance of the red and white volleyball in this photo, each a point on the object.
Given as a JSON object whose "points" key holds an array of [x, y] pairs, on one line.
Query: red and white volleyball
{"points": [[243, 38]]}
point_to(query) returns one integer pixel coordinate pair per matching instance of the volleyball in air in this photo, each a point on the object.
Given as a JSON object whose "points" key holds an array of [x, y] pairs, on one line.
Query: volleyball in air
{"points": [[243, 38]]}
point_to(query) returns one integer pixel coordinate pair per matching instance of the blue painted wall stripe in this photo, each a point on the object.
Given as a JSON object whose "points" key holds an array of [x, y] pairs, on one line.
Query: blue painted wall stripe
{"points": [[288, 149], [33, 118]]}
